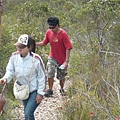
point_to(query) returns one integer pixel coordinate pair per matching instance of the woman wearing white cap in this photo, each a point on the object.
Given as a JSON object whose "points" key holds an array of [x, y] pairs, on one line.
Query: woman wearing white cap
{"points": [[20, 66]]}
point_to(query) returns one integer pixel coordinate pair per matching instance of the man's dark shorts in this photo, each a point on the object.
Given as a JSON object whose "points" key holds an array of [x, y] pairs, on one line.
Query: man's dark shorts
{"points": [[52, 68]]}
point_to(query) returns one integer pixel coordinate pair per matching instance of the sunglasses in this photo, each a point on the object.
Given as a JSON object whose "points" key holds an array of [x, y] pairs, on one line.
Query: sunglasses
{"points": [[52, 27]]}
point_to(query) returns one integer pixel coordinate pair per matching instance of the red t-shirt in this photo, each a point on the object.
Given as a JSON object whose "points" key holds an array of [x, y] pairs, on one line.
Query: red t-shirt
{"points": [[59, 43]]}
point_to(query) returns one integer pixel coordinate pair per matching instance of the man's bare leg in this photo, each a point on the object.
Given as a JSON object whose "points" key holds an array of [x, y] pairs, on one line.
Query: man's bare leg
{"points": [[49, 92], [50, 83], [62, 82]]}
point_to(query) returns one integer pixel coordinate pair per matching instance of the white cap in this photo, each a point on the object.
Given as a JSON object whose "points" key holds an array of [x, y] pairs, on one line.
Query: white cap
{"points": [[22, 41]]}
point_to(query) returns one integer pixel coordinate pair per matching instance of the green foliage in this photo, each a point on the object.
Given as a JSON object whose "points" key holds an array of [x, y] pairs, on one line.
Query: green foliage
{"points": [[92, 94], [9, 108], [96, 80], [116, 34], [93, 26]]}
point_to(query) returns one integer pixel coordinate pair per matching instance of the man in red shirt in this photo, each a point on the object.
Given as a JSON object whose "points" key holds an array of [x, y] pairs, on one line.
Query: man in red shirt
{"points": [[59, 53]]}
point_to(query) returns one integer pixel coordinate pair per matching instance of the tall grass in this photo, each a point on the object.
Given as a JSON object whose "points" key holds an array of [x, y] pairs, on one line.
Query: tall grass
{"points": [[94, 93]]}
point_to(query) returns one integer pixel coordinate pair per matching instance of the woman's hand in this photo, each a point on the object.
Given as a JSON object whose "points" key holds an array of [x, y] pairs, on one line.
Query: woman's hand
{"points": [[2, 81], [39, 98]]}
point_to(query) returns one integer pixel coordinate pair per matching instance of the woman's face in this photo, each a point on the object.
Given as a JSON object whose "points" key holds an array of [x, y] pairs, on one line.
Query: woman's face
{"points": [[23, 51]]}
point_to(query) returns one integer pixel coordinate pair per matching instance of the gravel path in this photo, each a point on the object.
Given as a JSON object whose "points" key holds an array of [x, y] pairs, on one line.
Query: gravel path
{"points": [[50, 107]]}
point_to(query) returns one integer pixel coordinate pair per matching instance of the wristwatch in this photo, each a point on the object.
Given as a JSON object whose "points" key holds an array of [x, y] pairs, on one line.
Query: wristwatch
{"points": [[67, 60]]}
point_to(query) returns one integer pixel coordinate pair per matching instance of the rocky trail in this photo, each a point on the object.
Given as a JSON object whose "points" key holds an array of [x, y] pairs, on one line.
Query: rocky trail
{"points": [[50, 107]]}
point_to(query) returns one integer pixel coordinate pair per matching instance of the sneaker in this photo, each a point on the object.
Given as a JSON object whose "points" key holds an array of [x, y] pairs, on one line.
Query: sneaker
{"points": [[62, 92], [48, 93]]}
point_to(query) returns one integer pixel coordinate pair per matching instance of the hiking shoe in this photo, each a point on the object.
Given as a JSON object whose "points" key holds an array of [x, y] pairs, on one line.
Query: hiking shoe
{"points": [[48, 93], [63, 93]]}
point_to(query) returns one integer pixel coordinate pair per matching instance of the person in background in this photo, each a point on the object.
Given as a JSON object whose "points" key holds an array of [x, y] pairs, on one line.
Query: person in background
{"points": [[59, 53], [20, 65]]}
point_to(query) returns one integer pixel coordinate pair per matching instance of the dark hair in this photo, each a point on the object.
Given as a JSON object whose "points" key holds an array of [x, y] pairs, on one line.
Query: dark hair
{"points": [[53, 21], [31, 43]]}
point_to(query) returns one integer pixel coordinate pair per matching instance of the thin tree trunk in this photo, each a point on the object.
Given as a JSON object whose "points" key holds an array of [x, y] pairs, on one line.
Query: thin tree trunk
{"points": [[1, 5]]}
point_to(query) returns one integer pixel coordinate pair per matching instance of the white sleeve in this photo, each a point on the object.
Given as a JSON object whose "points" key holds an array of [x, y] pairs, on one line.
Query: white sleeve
{"points": [[10, 70], [41, 77]]}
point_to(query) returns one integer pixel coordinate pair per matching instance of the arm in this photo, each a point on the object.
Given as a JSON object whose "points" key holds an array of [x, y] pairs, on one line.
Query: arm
{"points": [[41, 87], [9, 72], [68, 46], [41, 81], [67, 55], [40, 44], [67, 58], [44, 42]]}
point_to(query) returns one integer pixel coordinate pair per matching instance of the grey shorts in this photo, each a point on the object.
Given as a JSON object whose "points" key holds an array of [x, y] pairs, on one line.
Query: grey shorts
{"points": [[52, 69]]}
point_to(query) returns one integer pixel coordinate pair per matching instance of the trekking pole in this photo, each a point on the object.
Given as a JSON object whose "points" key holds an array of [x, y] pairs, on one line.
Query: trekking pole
{"points": [[3, 90]]}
